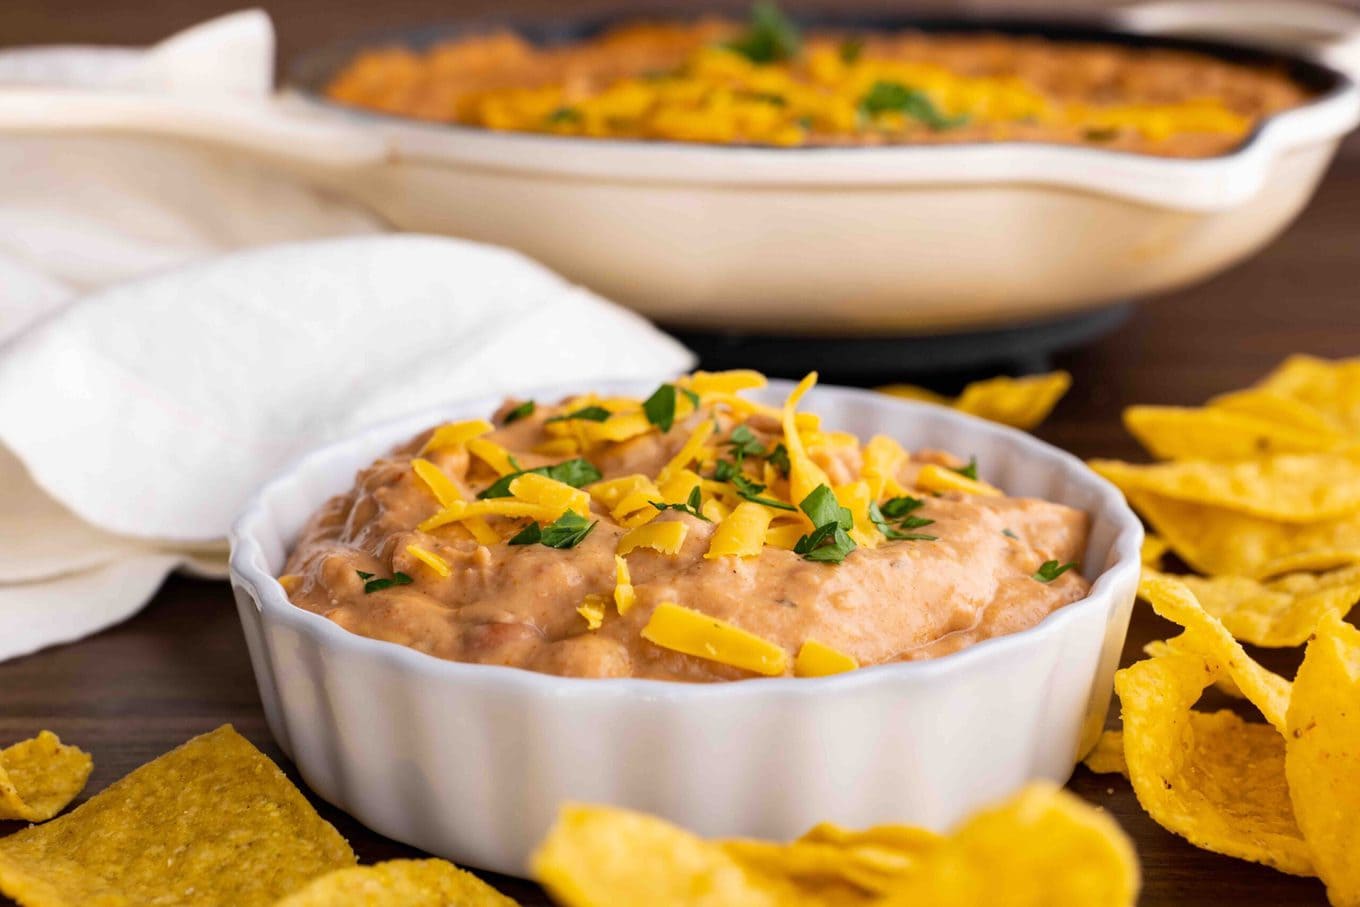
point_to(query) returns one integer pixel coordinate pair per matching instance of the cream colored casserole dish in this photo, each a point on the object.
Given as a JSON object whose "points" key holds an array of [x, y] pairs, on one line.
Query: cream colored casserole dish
{"points": [[472, 761], [821, 239]]}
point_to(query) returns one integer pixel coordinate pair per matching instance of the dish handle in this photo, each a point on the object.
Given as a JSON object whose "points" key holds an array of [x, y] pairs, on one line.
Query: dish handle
{"points": [[1328, 34]]}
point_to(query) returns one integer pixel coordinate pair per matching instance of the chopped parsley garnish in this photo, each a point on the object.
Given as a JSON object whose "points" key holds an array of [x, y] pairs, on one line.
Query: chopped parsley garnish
{"points": [[969, 471], [876, 516], [770, 37], [743, 444], [894, 97], [851, 50], [576, 473], [896, 508], [691, 506], [724, 470], [567, 531], [829, 542], [751, 491], [563, 116], [374, 583], [586, 413], [779, 459], [766, 97], [1010, 535], [519, 412], [1051, 570], [660, 406]]}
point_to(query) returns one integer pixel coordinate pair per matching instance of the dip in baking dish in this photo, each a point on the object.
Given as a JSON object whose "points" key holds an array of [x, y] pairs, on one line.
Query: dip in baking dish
{"points": [[716, 81], [693, 536]]}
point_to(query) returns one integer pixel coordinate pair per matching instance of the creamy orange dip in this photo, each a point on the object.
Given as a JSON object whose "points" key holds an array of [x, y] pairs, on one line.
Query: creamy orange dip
{"points": [[717, 81], [712, 538]]}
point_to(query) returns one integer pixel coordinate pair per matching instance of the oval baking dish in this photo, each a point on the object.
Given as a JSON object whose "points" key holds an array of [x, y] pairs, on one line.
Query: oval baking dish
{"points": [[472, 761]]}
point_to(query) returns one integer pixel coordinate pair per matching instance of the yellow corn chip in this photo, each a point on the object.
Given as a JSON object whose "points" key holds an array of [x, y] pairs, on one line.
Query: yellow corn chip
{"points": [[1331, 387], [1313, 560], [1214, 540], [39, 777], [1206, 637], [1108, 756], [1281, 612], [1157, 647], [212, 822], [1182, 433], [1322, 756], [1044, 846], [598, 856], [1154, 549], [398, 883], [1279, 409], [855, 873], [1019, 402], [1288, 488], [1211, 778]]}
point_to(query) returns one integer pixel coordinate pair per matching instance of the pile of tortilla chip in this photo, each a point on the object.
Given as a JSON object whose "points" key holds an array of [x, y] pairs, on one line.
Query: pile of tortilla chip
{"points": [[212, 822], [1259, 491], [1043, 846], [1018, 402]]}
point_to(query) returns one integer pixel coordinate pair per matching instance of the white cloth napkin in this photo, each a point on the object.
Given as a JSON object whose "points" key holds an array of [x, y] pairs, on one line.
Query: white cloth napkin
{"points": [[136, 422], [137, 418]]}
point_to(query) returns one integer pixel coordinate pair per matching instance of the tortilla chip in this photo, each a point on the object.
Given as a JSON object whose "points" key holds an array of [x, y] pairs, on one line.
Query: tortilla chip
{"points": [[1286, 488], [599, 856], [39, 777], [1316, 560], [1108, 756], [1281, 612], [1043, 846], [1018, 402], [1322, 756], [1214, 540], [1211, 778], [1184, 433], [1331, 387], [398, 883], [1157, 647], [1279, 409], [1206, 637], [212, 822], [1154, 549]]}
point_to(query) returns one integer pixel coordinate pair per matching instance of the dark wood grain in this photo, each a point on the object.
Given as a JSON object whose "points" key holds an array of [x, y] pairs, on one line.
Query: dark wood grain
{"points": [[180, 668]]}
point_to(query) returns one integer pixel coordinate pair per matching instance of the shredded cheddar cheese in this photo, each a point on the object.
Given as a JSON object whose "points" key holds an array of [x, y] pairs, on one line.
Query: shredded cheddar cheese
{"points": [[558, 497], [688, 452], [784, 537], [804, 475], [818, 660], [440, 485], [558, 447], [290, 582], [856, 498], [624, 594], [695, 633], [430, 559], [592, 609], [665, 537], [677, 488], [492, 454], [455, 433], [742, 533], [706, 384], [939, 479], [461, 511]]}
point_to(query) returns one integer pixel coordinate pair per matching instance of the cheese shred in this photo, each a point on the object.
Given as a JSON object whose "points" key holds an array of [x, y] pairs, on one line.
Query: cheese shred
{"points": [[695, 633]]}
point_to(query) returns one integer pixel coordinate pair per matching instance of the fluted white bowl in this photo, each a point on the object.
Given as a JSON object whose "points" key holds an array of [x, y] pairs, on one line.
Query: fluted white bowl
{"points": [[471, 762]]}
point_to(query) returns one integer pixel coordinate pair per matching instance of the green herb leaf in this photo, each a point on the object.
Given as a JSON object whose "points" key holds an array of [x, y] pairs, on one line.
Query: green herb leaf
{"points": [[724, 470], [586, 413], [770, 37], [576, 473], [660, 407], [751, 492], [691, 396], [896, 508], [896, 535], [851, 50], [372, 584], [691, 506], [1010, 535], [969, 471], [744, 444], [894, 97], [567, 531], [822, 508], [563, 115], [1051, 570], [519, 412], [827, 544], [779, 459]]}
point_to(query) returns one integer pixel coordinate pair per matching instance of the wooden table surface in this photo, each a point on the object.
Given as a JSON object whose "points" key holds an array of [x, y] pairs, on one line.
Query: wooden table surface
{"points": [[180, 667]]}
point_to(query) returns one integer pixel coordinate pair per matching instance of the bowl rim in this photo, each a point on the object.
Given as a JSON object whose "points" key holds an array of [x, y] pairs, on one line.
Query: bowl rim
{"points": [[248, 569]]}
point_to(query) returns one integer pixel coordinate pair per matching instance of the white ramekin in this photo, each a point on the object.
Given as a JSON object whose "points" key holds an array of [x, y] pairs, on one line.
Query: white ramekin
{"points": [[471, 762]]}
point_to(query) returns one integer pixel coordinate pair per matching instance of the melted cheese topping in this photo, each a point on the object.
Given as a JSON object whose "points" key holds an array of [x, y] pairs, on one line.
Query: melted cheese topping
{"points": [[624, 594], [592, 609]]}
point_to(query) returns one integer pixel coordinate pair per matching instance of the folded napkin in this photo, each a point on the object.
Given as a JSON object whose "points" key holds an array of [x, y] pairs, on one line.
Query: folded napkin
{"points": [[136, 422]]}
